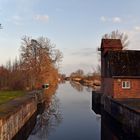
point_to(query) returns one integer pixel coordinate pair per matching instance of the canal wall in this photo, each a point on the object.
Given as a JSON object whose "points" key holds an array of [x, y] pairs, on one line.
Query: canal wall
{"points": [[112, 129], [17, 117], [128, 117], [96, 102]]}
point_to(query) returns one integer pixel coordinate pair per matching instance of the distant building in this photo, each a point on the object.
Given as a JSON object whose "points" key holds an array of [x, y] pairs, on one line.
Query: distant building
{"points": [[120, 70]]}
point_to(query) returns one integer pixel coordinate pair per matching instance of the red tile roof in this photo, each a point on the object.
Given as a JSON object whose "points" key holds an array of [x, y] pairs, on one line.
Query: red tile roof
{"points": [[111, 43]]}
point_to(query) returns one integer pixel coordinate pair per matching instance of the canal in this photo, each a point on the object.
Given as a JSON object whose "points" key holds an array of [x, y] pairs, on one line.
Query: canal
{"points": [[70, 114]]}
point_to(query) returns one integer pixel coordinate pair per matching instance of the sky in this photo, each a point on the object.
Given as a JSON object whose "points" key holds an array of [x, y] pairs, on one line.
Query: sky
{"points": [[74, 26]]}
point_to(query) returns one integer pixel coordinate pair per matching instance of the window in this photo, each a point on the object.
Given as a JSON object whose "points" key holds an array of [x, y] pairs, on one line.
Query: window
{"points": [[125, 84]]}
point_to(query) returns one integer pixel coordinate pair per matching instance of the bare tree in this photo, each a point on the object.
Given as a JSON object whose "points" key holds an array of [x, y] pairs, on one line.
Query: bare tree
{"points": [[37, 64], [118, 35], [38, 59], [55, 54], [96, 70], [78, 73]]}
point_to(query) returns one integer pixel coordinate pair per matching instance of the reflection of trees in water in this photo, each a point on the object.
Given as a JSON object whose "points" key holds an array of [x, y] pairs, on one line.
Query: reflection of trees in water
{"points": [[77, 86], [89, 89], [50, 119], [80, 87]]}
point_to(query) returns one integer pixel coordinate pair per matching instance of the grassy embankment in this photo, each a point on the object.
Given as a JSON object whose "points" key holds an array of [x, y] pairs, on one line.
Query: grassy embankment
{"points": [[6, 96]]}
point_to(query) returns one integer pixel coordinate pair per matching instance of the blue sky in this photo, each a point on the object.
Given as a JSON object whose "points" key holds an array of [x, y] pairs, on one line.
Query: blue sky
{"points": [[75, 26]]}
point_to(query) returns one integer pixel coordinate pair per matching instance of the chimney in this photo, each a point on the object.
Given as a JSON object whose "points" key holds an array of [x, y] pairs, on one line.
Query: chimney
{"points": [[107, 45], [110, 44]]}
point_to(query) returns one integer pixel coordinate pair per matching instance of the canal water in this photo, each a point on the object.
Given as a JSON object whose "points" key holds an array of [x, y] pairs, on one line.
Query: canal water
{"points": [[69, 116]]}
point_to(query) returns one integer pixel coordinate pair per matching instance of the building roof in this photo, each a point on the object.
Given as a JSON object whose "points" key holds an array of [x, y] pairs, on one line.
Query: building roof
{"points": [[126, 77], [111, 43], [123, 63]]}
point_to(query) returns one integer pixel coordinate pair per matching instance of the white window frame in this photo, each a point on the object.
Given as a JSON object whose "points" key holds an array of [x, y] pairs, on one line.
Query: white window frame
{"points": [[126, 85]]}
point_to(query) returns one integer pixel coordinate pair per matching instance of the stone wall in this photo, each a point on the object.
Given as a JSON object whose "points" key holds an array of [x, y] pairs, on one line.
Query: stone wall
{"points": [[11, 124], [122, 113], [15, 114]]}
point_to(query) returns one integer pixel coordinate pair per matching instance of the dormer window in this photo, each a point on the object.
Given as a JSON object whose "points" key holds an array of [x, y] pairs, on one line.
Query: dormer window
{"points": [[126, 85]]}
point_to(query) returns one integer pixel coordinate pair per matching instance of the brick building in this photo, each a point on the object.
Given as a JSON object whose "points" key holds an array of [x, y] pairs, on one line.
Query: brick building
{"points": [[120, 70]]}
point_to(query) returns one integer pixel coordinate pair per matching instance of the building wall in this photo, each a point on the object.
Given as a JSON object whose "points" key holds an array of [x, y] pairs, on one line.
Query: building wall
{"points": [[133, 92], [107, 86]]}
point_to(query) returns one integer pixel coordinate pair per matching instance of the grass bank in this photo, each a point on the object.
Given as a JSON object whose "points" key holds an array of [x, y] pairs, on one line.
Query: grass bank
{"points": [[6, 96]]}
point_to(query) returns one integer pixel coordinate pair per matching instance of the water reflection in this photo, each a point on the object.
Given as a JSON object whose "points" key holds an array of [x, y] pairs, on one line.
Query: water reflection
{"points": [[78, 121], [50, 119], [89, 89], [77, 86], [110, 128]]}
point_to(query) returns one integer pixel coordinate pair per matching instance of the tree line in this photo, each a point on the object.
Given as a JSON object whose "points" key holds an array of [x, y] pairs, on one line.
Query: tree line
{"points": [[38, 63], [89, 76]]}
